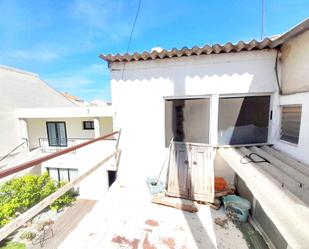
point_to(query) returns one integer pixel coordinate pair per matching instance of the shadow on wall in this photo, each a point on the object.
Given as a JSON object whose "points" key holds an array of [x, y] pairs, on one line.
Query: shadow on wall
{"points": [[246, 71]]}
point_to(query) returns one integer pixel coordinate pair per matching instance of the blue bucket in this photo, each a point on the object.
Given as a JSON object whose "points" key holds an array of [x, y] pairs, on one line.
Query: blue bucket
{"points": [[239, 205]]}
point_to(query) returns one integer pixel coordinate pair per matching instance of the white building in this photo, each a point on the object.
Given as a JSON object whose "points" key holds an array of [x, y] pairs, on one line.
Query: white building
{"points": [[20, 89], [233, 95], [36, 120]]}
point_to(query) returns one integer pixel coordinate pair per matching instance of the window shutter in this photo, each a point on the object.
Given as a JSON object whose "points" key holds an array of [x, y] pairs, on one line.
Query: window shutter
{"points": [[290, 123]]}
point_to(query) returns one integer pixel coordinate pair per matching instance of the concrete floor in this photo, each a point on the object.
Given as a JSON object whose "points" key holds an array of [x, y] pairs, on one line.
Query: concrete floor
{"points": [[126, 218]]}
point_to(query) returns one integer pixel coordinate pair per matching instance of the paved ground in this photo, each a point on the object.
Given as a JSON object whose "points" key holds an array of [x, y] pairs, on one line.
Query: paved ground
{"points": [[125, 218]]}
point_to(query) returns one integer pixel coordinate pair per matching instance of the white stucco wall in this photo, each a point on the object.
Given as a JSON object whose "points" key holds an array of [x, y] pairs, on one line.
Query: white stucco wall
{"points": [[21, 89], [139, 104], [294, 59], [95, 185], [106, 125], [301, 150]]}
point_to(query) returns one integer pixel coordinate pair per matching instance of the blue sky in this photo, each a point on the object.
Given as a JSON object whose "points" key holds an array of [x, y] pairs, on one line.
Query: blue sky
{"points": [[61, 39]]}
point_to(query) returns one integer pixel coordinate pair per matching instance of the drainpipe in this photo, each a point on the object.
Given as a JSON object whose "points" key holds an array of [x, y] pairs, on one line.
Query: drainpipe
{"points": [[276, 70]]}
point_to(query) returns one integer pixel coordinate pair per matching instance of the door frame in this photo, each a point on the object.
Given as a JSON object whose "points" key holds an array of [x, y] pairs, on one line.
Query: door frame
{"points": [[65, 132]]}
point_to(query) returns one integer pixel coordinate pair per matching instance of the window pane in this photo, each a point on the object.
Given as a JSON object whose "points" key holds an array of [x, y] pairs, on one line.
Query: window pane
{"points": [[53, 173], [62, 138], [88, 125], [73, 174], [187, 120], [63, 173], [52, 134], [243, 120]]}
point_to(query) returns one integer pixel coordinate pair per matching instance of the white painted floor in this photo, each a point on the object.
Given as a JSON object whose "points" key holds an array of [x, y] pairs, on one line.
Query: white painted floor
{"points": [[126, 218]]}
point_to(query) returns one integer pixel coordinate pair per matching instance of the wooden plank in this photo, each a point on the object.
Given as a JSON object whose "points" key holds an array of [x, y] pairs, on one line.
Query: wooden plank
{"points": [[67, 222], [23, 218], [118, 139], [38, 161], [288, 160], [182, 204]]}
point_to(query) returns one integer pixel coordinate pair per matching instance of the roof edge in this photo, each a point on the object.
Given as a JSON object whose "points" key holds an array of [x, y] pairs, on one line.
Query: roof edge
{"points": [[17, 70], [296, 30]]}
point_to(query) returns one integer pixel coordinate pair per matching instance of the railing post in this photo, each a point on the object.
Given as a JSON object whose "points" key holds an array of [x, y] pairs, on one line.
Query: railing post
{"points": [[118, 139]]}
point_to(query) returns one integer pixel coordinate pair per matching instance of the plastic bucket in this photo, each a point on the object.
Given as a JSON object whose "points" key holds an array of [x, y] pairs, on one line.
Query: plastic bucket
{"points": [[240, 206]]}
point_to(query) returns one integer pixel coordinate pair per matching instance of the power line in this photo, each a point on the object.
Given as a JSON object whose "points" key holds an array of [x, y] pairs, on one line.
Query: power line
{"points": [[131, 34], [128, 47], [134, 23], [262, 20]]}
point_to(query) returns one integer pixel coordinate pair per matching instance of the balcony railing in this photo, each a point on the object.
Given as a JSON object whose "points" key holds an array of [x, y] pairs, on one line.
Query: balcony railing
{"points": [[52, 145]]}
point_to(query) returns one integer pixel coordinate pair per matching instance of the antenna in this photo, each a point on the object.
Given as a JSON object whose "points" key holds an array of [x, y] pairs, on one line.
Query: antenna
{"points": [[262, 20]]}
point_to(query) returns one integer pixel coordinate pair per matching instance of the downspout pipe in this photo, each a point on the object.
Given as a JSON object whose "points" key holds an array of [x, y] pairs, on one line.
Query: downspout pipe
{"points": [[276, 71]]}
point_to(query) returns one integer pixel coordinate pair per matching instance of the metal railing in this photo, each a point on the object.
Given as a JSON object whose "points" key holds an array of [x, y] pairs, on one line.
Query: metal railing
{"points": [[52, 145]]}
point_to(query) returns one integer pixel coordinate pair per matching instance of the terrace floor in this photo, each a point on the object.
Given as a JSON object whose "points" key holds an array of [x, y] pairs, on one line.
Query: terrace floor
{"points": [[67, 222], [126, 218]]}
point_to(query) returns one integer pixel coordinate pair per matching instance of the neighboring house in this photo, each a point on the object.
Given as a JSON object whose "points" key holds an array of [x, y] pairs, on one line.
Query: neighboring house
{"points": [[232, 95], [80, 102], [45, 120], [20, 89], [74, 99]]}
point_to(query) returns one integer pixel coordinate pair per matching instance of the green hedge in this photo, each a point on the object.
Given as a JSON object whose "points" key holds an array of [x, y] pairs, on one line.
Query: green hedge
{"points": [[20, 194], [13, 245]]}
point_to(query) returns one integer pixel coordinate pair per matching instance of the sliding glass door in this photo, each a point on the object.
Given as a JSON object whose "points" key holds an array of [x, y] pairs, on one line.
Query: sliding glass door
{"points": [[56, 132]]}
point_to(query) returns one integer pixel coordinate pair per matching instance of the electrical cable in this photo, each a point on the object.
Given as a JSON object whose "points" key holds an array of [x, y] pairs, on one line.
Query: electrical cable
{"points": [[128, 47], [131, 34], [250, 159]]}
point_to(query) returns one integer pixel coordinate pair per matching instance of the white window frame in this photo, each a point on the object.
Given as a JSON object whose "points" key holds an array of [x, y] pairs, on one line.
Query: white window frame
{"points": [[214, 112], [191, 97]]}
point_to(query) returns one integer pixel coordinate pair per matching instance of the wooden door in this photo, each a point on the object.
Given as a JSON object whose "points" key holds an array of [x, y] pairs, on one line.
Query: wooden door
{"points": [[191, 172], [179, 182], [202, 173]]}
